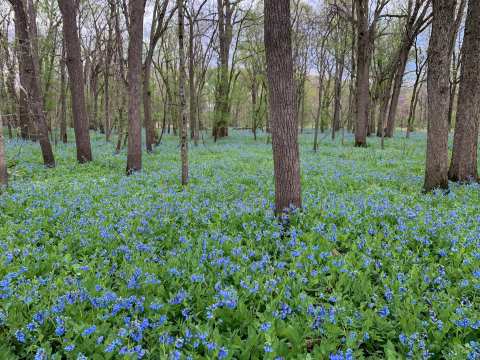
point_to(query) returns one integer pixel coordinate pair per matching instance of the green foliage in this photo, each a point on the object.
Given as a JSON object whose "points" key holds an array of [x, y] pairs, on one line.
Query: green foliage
{"points": [[108, 266]]}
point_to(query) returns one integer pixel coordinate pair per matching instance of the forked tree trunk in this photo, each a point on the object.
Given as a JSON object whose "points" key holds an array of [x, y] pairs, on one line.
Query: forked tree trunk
{"points": [[134, 76], [463, 167], [436, 171], [30, 81], [284, 124], [181, 92], [397, 87], [75, 74], [363, 72]]}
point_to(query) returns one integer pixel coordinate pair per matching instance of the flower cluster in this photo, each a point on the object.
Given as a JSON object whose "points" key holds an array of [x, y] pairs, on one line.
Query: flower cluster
{"points": [[99, 265]]}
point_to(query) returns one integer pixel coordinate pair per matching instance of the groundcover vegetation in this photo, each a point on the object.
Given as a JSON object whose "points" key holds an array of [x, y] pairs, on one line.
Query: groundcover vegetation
{"points": [[97, 265]]}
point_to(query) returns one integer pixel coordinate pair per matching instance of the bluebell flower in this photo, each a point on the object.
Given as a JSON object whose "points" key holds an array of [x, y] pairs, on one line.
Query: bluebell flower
{"points": [[20, 336], [88, 331], [222, 353], [40, 354], [463, 323], [179, 297], [175, 355], [265, 326], [384, 312]]}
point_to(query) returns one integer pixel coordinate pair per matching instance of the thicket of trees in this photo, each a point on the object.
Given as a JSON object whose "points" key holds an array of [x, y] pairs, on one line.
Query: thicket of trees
{"points": [[197, 67]]}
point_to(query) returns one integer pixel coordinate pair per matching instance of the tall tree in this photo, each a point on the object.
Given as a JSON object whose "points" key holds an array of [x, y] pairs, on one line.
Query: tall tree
{"points": [[226, 15], [365, 32], [283, 118], [181, 92], [340, 50], [68, 8], [30, 79], [417, 86], [193, 14], [136, 10], [363, 73], [463, 166], [3, 162], [438, 86], [417, 16], [63, 97], [107, 73], [156, 30]]}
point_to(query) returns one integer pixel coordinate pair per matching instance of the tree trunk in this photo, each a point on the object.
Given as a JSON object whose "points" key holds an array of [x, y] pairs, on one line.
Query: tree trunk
{"points": [[63, 97], [319, 112], [106, 80], [134, 154], [413, 106], [383, 112], [181, 92], [453, 87], [192, 86], [284, 124], [436, 172], [463, 167], [94, 124], [397, 87], [254, 91], [339, 66], [150, 135], [75, 74], [363, 72], [222, 93], [371, 116], [302, 110], [26, 121], [3, 161], [351, 93], [31, 81], [412, 111]]}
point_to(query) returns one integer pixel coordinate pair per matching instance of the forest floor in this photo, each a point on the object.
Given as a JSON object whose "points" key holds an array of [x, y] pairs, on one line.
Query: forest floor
{"points": [[98, 265]]}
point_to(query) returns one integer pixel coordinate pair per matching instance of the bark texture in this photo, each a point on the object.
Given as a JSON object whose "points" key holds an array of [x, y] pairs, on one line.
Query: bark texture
{"points": [[134, 78], [339, 67], [30, 81], [284, 123], [363, 73], [438, 85], [63, 97], [222, 93], [463, 167], [75, 74]]}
